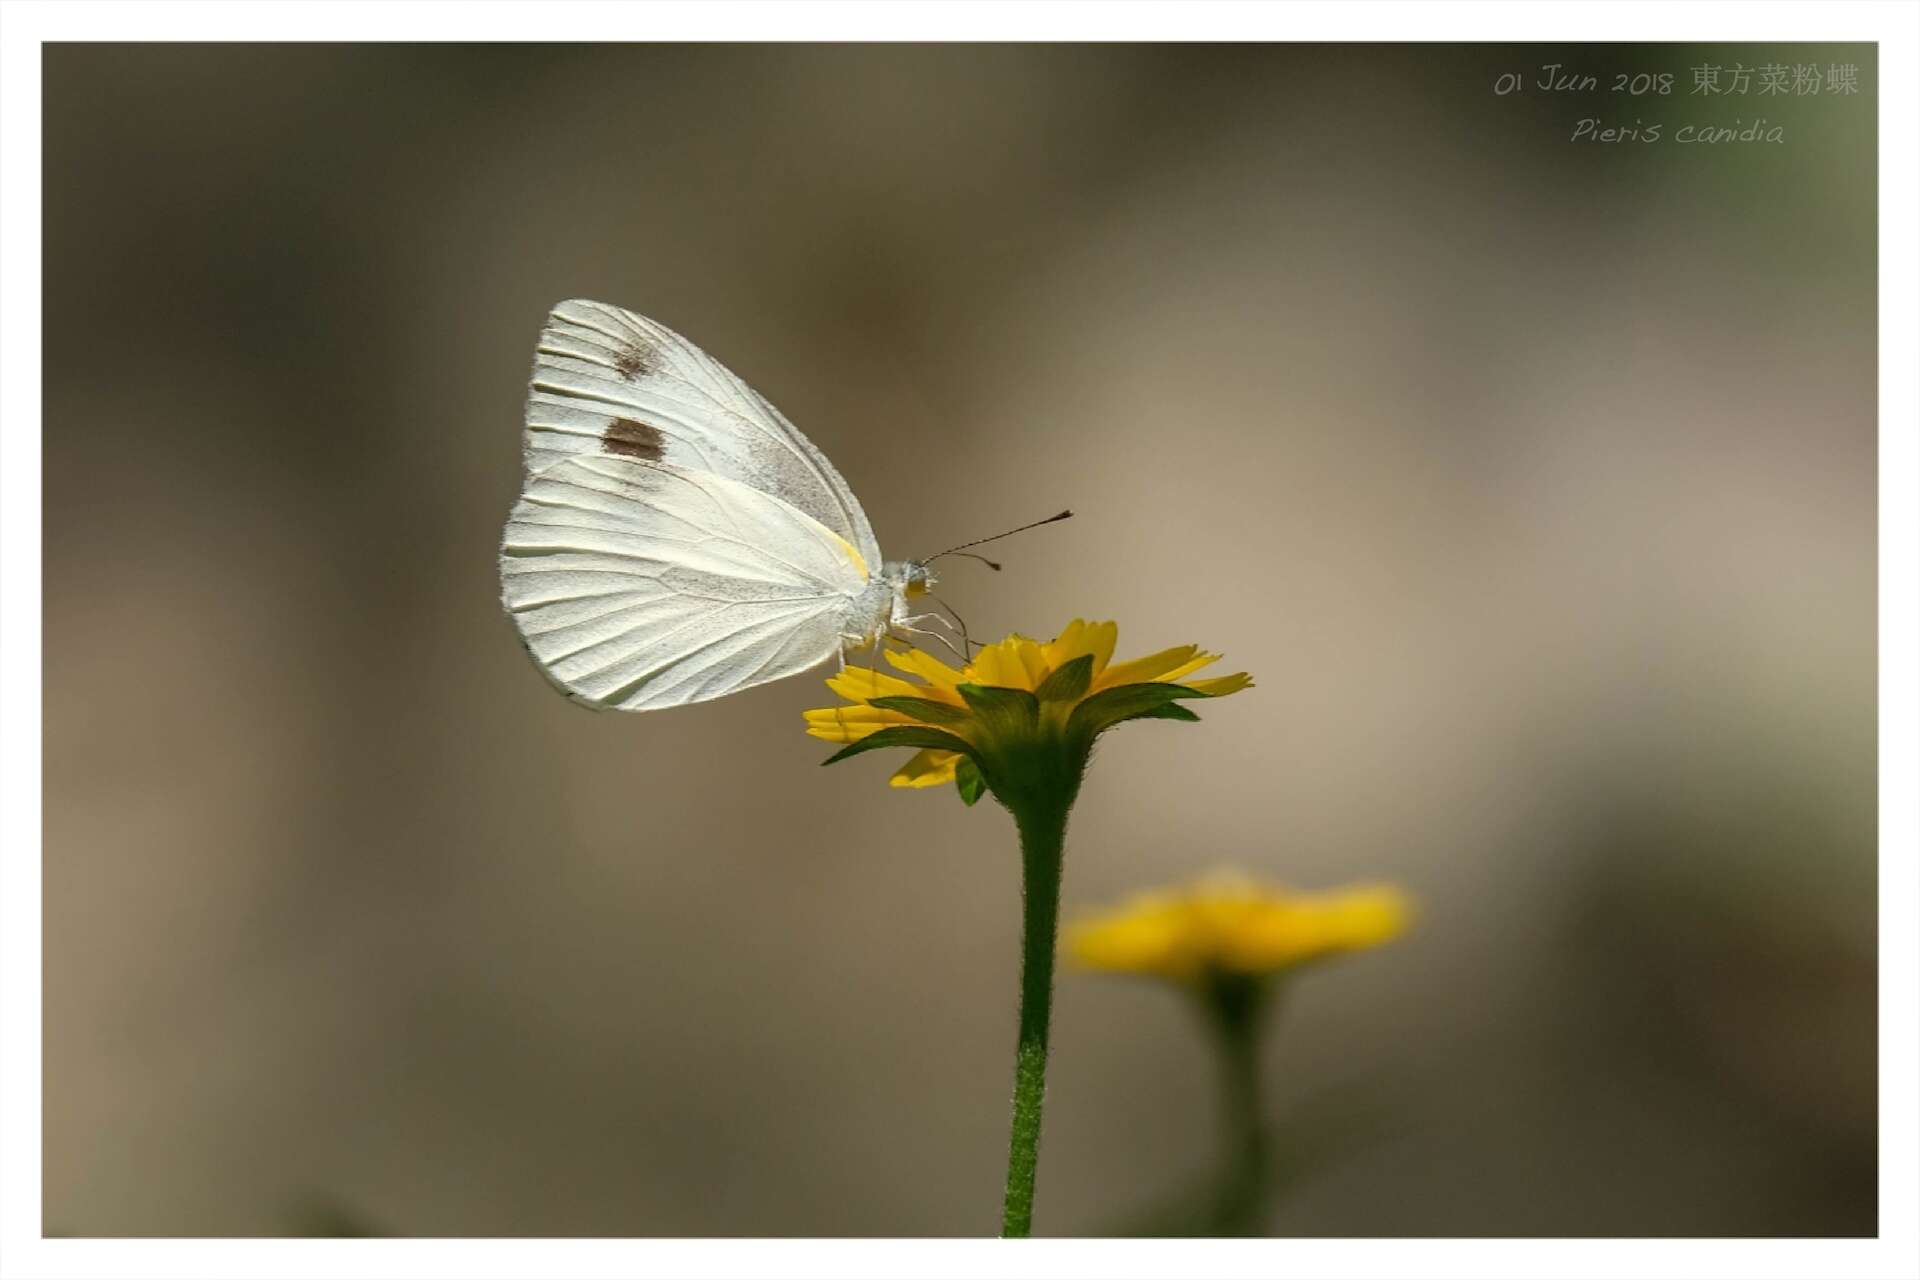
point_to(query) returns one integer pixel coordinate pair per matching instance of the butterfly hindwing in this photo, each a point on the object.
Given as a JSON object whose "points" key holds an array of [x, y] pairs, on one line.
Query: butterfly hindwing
{"points": [[639, 584]]}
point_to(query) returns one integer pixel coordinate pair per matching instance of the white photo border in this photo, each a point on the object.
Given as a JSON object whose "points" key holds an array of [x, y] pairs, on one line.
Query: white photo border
{"points": [[25, 26]]}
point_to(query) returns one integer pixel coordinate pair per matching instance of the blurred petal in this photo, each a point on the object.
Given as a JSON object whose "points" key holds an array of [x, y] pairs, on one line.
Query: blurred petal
{"points": [[1229, 923], [1149, 937], [1366, 916]]}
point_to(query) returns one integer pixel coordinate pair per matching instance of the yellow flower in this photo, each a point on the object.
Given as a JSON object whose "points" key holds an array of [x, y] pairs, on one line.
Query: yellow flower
{"points": [[1230, 926], [1014, 694], [1019, 722]]}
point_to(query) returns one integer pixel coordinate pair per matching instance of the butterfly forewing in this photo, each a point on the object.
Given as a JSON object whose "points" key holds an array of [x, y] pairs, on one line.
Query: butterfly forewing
{"points": [[607, 381]]}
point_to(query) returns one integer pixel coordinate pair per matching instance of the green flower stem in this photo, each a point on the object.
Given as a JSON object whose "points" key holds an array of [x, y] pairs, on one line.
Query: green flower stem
{"points": [[1043, 833], [1029, 748], [1237, 1007]]}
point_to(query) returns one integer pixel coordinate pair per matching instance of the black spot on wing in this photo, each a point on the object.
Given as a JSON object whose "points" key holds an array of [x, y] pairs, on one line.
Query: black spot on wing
{"points": [[633, 439], [636, 359]]}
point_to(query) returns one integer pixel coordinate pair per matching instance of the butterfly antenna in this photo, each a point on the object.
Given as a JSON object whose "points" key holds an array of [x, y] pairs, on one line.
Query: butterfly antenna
{"points": [[979, 542]]}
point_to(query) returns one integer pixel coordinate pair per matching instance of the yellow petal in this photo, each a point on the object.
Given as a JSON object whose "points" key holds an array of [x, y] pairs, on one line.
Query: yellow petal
{"points": [[1148, 938], [857, 684], [1033, 662], [1008, 664], [1367, 916], [985, 667], [1194, 663], [1221, 686], [1101, 637], [940, 677], [1233, 924], [927, 768], [1152, 667], [1065, 647], [850, 724], [1079, 639]]}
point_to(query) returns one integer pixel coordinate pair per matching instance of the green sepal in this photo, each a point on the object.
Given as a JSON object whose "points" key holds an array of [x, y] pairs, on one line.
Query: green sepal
{"points": [[967, 777], [1005, 714], [905, 735], [1068, 682], [1167, 711], [923, 709], [1126, 702]]}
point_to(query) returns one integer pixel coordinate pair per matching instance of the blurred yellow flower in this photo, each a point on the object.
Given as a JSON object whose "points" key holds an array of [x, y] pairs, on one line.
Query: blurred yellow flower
{"points": [[1229, 925], [1067, 686]]}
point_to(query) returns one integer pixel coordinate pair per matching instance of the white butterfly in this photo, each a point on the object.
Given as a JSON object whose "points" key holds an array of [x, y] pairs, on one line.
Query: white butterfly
{"points": [[676, 538]]}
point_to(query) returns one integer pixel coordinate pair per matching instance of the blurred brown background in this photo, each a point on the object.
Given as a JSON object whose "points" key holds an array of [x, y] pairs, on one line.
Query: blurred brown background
{"points": [[1534, 480]]}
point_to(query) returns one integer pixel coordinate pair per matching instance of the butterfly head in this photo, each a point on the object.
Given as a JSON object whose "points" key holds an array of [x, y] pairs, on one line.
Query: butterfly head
{"points": [[912, 577]]}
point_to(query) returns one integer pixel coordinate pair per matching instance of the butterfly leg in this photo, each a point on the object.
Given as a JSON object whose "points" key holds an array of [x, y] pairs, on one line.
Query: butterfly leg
{"points": [[848, 643], [906, 625], [965, 639]]}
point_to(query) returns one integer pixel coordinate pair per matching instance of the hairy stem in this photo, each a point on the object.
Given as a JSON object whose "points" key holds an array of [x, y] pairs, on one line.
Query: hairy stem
{"points": [[1043, 832]]}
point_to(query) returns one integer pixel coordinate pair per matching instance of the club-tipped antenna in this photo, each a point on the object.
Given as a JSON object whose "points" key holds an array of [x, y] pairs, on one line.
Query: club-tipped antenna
{"points": [[980, 542]]}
